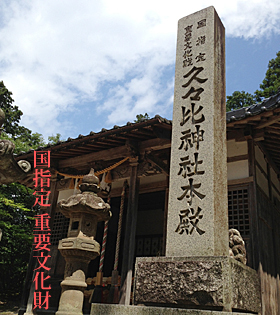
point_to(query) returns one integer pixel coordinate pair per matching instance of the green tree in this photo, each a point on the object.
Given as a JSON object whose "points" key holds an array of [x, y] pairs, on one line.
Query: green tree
{"points": [[141, 117], [22, 137], [54, 139], [239, 99], [16, 221], [16, 205], [271, 83], [12, 112]]}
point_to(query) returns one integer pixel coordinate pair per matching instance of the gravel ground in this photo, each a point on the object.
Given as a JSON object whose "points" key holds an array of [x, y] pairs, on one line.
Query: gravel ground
{"points": [[9, 307]]}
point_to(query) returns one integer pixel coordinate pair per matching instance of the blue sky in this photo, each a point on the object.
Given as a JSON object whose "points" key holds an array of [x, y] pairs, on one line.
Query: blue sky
{"points": [[79, 66]]}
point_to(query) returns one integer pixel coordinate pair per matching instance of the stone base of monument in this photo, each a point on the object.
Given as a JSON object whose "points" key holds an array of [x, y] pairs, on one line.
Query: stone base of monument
{"points": [[205, 283], [111, 309]]}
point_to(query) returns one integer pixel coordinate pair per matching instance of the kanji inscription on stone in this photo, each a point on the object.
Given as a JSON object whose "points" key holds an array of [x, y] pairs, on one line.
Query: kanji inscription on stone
{"points": [[198, 171]]}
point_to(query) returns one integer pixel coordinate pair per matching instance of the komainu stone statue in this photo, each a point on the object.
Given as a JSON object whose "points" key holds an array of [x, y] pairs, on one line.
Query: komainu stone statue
{"points": [[10, 170], [237, 248]]}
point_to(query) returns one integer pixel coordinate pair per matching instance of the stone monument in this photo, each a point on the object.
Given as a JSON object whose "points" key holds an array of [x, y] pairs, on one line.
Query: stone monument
{"points": [[197, 272], [197, 211]]}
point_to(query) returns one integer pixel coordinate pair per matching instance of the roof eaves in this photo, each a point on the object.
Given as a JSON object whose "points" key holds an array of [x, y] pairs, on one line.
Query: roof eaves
{"points": [[267, 104], [104, 132]]}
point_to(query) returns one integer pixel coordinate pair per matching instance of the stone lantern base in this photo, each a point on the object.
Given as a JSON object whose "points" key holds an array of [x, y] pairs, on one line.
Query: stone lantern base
{"points": [[78, 252]]}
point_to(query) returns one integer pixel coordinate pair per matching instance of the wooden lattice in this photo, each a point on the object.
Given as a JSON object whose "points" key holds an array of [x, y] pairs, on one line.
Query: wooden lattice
{"points": [[238, 210]]}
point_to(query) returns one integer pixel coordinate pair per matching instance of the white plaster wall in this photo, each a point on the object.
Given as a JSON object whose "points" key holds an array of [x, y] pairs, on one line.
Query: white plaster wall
{"points": [[236, 148], [260, 158], [237, 170], [262, 181]]}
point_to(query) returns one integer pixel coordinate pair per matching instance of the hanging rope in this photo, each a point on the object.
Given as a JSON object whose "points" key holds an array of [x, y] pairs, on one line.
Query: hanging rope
{"points": [[104, 241], [125, 185], [96, 173]]}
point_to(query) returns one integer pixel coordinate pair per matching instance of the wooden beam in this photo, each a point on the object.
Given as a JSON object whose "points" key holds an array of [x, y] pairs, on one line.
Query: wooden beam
{"points": [[241, 135], [272, 130], [268, 122], [258, 135], [277, 127], [237, 158], [267, 114], [162, 133], [105, 155], [244, 121], [158, 162], [240, 181], [154, 144], [268, 158], [143, 189], [273, 147], [235, 134], [114, 153]]}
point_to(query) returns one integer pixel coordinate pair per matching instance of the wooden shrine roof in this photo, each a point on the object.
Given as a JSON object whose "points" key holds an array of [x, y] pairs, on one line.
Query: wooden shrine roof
{"points": [[108, 145], [260, 122]]}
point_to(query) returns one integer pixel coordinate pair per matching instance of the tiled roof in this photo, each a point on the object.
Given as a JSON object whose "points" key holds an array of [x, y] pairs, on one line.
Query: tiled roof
{"points": [[268, 104]]}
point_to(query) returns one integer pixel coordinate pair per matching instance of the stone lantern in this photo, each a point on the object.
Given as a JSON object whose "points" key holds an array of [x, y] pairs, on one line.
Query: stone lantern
{"points": [[85, 210]]}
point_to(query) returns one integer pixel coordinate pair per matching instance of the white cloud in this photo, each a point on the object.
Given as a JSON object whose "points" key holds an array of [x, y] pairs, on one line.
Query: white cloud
{"points": [[56, 55]]}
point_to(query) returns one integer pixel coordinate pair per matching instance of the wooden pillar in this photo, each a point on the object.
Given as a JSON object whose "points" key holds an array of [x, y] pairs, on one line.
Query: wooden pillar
{"points": [[269, 182], [165, 217], [130, 231], [254, 218]]}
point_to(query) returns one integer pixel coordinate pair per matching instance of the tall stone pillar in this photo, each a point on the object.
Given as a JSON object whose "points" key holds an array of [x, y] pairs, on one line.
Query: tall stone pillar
{"points": [[197, 271], [197, 223]]}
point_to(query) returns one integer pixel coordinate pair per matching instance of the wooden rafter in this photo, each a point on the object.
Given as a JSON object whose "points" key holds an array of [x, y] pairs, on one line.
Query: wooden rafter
{"points": [[158, 162]]}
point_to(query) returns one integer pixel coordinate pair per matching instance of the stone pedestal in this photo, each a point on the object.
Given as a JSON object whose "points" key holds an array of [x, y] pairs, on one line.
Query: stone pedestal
{"points": [[78, 252], [206, 283], [105, 309], [72, 295]]}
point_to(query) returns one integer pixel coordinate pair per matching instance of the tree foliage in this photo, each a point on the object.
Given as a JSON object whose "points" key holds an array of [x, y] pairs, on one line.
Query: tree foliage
{"points": [[16, 222], [22, 137], [239, 99], [141, 117], [54, 139], [12, 112], [271, 83], [16, 204], [269, 86]]}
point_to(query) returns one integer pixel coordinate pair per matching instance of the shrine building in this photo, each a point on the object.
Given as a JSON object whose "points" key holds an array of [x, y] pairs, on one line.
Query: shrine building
{"points": [[136, 157]]}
